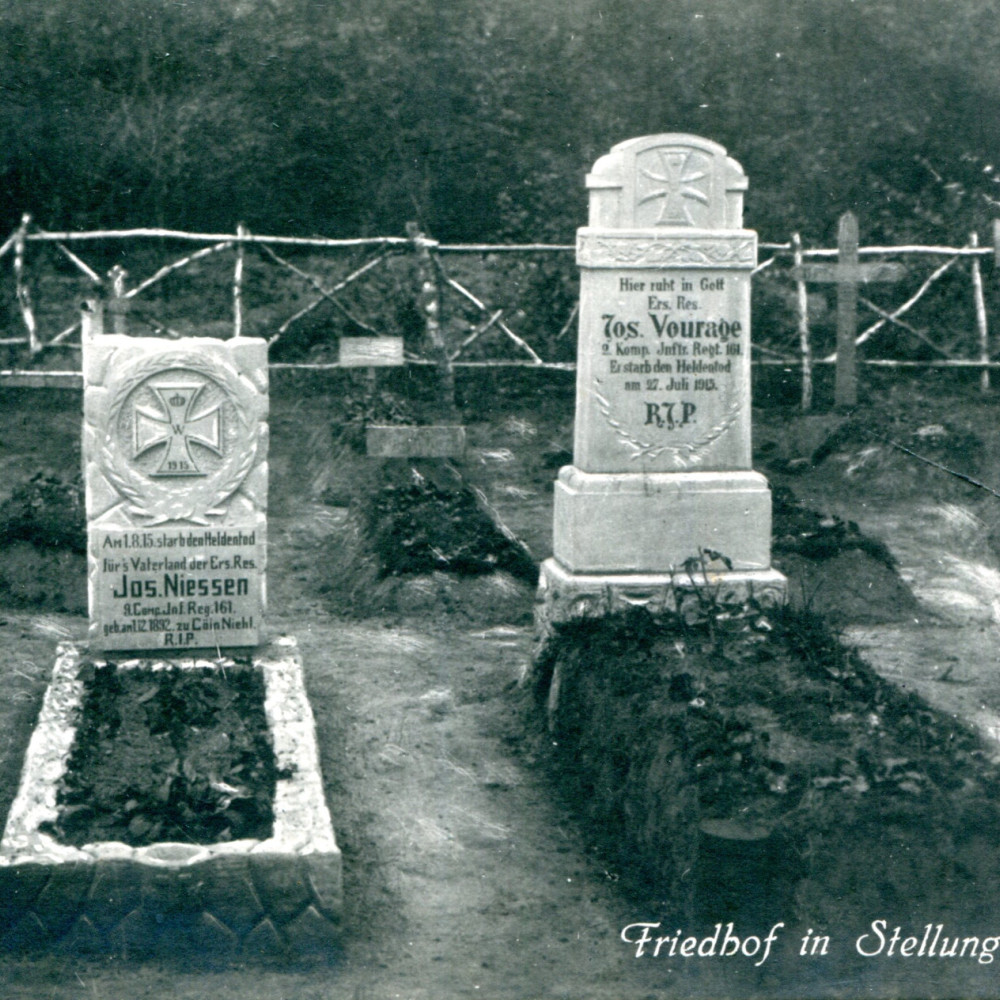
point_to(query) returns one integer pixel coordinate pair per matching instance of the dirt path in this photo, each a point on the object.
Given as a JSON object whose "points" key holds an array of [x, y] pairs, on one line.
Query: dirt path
{"points": [[951, 654], [479, 882]]}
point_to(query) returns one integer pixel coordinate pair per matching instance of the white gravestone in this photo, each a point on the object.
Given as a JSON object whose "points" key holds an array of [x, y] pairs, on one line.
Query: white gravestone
{"points": [[661, 468], [175, 467]]}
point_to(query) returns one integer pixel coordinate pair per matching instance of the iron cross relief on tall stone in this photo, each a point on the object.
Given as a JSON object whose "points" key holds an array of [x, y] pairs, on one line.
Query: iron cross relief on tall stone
{"points": [[175, 458], [678, 181], [177, 426]]}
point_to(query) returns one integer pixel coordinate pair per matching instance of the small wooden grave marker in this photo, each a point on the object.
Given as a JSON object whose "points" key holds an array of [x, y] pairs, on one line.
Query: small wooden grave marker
{"points": [[371, 352], [826, 272], [848, 273], [409, 441], [398, 440]]}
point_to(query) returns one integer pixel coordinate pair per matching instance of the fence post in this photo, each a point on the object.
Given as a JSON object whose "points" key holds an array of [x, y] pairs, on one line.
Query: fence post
{"points": [[117, 303], [91, 320], [981, 324], [429, 303], [241, 231], [845, 393], [802, 300], [22, 292]]}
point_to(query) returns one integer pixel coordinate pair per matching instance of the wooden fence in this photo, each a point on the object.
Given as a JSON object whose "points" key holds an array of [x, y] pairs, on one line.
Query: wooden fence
{"points": [[478, 331], [848, 273]]}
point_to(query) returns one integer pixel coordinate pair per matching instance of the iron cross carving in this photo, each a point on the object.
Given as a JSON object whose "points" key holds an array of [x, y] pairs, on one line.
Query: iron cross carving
{"points": [[679, 183], [177, 426]]}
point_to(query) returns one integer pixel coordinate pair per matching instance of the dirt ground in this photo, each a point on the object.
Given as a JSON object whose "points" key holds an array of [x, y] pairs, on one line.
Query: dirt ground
{"points": [[466, 875]]}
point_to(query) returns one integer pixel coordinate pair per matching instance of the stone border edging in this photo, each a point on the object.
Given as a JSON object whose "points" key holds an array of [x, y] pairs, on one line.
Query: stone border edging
{"points": [[245, 898]]}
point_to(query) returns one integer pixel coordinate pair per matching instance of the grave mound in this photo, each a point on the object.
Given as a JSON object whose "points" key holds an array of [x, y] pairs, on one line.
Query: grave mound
{"points": [[415, 548], [835, 569], [424, 528], [744, 764], [47, 511]]}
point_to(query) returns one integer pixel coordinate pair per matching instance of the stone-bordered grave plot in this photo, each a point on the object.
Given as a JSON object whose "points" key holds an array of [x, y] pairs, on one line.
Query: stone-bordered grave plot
{"points": [[266, 896], [209, 830]]}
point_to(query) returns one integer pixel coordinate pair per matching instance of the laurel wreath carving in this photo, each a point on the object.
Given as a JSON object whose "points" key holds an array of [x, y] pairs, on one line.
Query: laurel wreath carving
{"points": [[683, 455], [136, 499], [132, 488]]}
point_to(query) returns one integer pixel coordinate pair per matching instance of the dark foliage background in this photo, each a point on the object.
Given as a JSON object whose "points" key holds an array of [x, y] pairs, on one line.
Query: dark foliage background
{"points": [[479, 119]]}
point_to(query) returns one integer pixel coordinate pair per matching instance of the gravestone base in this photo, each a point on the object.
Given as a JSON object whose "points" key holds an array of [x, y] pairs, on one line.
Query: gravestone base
{"points": [[564, 595], [641, 523], [238, 900]]}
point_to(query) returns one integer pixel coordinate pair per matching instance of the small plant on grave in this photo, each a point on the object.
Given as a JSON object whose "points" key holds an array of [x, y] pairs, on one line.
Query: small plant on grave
{"points": [[168, 755], [364, 407]]}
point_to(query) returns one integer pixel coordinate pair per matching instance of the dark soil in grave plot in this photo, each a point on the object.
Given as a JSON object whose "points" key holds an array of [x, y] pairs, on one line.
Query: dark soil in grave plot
{"points": [[834, 569], [759, 729], [422, 528], [168, 755], [43, 542]]}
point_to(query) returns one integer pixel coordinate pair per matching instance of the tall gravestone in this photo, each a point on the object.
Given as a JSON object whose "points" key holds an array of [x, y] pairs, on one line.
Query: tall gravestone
{"points": [[175, 468], [661, 479]]}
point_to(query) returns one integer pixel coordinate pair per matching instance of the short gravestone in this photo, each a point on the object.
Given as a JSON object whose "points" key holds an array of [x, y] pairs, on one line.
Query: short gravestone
{"points": [[175, 457], [175, 462], [661, 492]]}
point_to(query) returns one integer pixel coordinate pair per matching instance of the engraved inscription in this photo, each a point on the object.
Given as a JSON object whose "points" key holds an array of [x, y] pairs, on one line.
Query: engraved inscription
{"points": [[669, 371]]}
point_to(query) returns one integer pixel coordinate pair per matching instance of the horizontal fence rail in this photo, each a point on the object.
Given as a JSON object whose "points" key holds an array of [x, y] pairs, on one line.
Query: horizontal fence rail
{"points": [[475, 305]]}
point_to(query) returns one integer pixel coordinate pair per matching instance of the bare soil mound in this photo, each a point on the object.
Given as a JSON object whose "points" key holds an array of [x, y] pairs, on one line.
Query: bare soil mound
{"points": [[47, 511], [745, 765], [43, 541], [834, 569], [422, 528]]}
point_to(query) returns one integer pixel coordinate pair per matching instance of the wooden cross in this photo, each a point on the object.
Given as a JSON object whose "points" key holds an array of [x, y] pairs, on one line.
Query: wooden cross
{"points": [[848, 273], [398, 441], [433, 441]]}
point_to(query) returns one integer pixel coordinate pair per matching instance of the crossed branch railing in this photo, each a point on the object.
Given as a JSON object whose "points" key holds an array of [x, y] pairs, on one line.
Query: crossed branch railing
{"points": [[117, 294], [437, 280]]}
